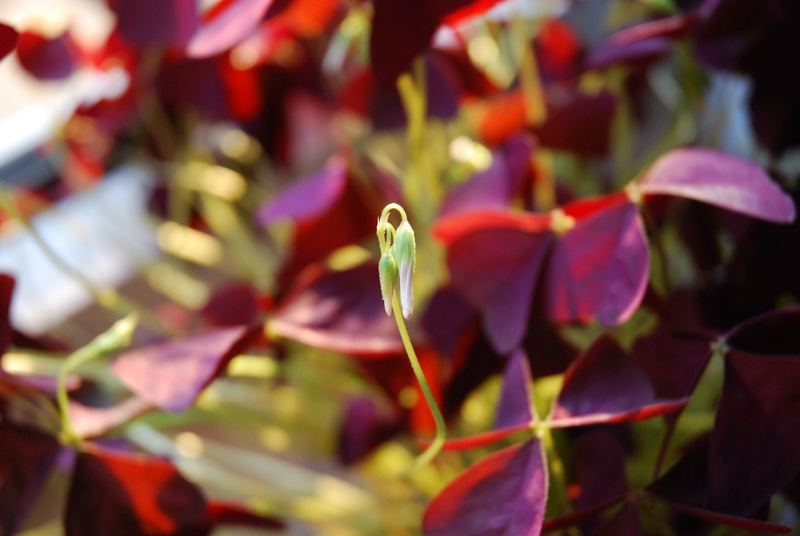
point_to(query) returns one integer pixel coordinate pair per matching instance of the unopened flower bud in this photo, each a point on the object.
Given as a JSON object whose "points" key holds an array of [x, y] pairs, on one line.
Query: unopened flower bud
{"points": [[387, 271], [405, 254]]}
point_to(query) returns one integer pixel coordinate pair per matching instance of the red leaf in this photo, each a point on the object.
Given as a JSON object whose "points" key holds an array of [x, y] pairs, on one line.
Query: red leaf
{"points": [[600, 267], [338, 311], [172, 374], [718, 179], [503, 494], [128, 495], [227, 28], [26, 458], [578, 123], [604, 386], [8, 39], [494, 260]]}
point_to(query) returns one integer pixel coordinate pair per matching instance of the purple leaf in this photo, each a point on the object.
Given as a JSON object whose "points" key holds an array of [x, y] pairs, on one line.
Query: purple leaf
{"points": [[503, 494], [447, 318], [599, 465], [515, 397], [234, 304], [26, 458], [623, 523], [578, 123], [604, 386], [156, 22], [225, 30], [46, 58], [364, 427], [494, 260], [338, 311], [600, 267], [309, 197], [718, 179], [172, 374], [8, 39]]}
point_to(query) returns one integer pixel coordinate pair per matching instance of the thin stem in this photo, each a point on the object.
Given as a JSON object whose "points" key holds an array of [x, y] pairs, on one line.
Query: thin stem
{"points": [[558, 475], [441, 429]]}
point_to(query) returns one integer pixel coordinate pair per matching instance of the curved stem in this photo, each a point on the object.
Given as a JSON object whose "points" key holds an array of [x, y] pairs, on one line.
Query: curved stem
{"points": [[441, 428], [393, 206]]}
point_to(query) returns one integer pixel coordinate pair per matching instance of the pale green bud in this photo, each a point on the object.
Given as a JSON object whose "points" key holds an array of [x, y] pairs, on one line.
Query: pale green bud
{"points": [[405, 254], [387, 271]]}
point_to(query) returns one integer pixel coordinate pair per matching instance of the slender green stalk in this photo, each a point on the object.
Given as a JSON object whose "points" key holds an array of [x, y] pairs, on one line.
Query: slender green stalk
{"points": [[558, 476], [441, 428], [116, 337]]}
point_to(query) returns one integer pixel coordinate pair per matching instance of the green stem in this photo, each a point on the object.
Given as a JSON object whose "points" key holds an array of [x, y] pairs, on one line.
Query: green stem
{"points": [[118, 336], [441, 428]]}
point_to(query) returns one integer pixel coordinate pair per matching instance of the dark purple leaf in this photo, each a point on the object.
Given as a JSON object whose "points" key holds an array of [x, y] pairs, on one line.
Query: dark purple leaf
{"points": [[309, 197], [364, 427], [338, 311], [637, 54], [196, 85], [225, 30], [8, 39], [447, 319], [599, 466], [131, 495], [578, 123], [515, 397], [46, 58], [26, 458], [156, 22], [172, 374], [673, 361], [755, 444], [234, 304], [604, 386], [494, 260], [600, 267], [718, 179], [503, 494]]}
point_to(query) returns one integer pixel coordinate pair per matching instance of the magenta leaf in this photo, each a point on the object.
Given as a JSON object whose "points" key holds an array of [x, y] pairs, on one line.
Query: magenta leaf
{"points": [[156, 22], [604, 386], [172, 374], [26, 458], [236, 22], [600, 267], [130, 495], [46, 58], [503, 494], [338, 311], [494, 260], [515, 397], [88, 421], [8, 39], [309, 197], [718, 179]]}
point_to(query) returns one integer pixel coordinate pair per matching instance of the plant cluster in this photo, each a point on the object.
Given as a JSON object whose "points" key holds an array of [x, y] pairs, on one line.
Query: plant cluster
{"points": [[586, 248]]}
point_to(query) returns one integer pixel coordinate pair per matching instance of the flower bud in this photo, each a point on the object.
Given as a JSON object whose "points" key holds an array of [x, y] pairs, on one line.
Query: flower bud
{"points": [[405, 254], [387, 272]]}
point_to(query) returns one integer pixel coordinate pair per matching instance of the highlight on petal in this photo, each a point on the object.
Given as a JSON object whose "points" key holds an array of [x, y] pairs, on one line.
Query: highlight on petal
{"points": [[339, 311], [718, 179], [502, 494], [599, 268], [232, 25]]}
